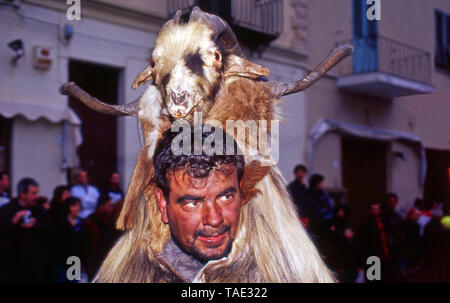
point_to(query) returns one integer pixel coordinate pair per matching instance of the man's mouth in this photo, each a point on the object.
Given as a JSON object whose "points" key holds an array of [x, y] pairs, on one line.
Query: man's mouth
{"points": [[213, 240]]}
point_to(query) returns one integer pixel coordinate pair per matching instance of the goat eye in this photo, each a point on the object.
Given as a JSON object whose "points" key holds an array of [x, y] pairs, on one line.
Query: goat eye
{"points": [[152, 64], [217, 56]]}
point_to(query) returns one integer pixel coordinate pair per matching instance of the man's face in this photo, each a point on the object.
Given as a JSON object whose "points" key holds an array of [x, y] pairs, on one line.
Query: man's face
{"points": [[4, 182], [30, 197], [392, 202], [300, 174], [64, 195], [203, 213], [375, 209], [83, 178], [114, 179]]}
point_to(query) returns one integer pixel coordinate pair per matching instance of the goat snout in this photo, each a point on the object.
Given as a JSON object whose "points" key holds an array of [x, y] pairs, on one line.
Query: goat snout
{"points": [[178, 98]]}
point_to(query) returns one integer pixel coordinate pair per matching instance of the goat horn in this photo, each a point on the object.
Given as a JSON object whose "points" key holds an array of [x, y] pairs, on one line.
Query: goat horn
{"points": [[145, 76], [223, 32], [72, 90], [177, 17], [337, 55]]}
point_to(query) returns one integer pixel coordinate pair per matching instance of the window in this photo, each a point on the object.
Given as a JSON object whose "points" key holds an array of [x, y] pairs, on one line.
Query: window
{"points": [[5, 144], [442, 51]]}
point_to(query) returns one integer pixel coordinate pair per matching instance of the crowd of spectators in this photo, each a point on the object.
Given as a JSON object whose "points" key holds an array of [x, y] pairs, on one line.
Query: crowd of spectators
{"points": [[406, 246], [37, 236]]}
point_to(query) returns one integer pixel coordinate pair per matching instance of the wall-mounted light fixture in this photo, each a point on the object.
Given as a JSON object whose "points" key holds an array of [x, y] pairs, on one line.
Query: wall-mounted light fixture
{"points": [[17, 48], [400, 155]]}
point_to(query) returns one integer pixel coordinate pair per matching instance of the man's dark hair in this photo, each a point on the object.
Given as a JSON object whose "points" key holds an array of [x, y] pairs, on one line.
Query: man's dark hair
{"points": [[300, 166], [391, 195], [69, 202], [197, 166], [315, 180], [24, 185]]}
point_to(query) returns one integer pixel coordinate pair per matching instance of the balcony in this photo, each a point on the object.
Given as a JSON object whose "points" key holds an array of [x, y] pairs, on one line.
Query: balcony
{"points": [[255, 22], [385, 68]]}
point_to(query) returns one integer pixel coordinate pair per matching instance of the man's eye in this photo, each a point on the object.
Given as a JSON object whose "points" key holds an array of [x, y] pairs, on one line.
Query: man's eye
{"points": [[226, 198], [191, 204]]}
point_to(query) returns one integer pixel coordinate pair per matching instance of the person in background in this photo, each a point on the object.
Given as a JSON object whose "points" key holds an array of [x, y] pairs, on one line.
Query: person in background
{"points": [[299, 191], [87, 193], [425, 215], [412, 243], [25, 237], [57, 206], [434, 227], [102, 233], [112, 188], [320, 206], [43, 201], [394, 227], [319, 198], [347, 257], [70, 238], [4, 188]]}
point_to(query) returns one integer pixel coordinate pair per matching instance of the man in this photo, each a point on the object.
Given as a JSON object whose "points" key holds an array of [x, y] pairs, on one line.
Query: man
{"points": [[87, 193], [4, 188], [299, 191], [25, 229], [196, 228], [113, 190]]}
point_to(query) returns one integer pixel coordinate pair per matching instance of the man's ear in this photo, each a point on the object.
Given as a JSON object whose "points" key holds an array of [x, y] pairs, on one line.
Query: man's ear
{"points": [[240, 67], [162, 204]]}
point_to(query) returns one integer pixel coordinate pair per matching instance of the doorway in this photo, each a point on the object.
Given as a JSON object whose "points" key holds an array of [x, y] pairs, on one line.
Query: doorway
{"points": [[98, 152], [437, 181], [364, 172]]}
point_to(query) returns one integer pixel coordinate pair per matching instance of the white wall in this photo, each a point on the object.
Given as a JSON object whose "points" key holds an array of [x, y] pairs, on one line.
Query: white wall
{"points": [[37, 153], [35, 150]]}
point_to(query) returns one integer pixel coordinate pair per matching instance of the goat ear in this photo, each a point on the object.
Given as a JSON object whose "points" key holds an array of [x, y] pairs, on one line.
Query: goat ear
{"points": [[240, 67], [145, 76]]}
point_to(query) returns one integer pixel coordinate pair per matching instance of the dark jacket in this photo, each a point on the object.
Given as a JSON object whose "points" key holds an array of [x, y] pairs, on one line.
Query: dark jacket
{"points": [[24, 251]]}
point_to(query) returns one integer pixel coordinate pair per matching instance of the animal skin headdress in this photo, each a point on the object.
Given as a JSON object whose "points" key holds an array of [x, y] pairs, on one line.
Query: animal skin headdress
{"points": [[198, 67]]}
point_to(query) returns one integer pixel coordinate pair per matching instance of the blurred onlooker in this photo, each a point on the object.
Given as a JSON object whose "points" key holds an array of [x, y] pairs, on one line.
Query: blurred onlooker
{"points": [[102, 233], [299, 191], [347, 255], [434, 227], [394, 228], [57, 206], [373, 234], [320, 212], [112, 188], [4, 188], [43, 201], [87, 193], [319, 198], [25, 232], [70, 238], [412, 241], [425, 215]]}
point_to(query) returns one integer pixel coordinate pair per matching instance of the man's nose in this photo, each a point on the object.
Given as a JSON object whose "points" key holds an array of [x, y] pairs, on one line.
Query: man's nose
{"points": [[212, 215]]}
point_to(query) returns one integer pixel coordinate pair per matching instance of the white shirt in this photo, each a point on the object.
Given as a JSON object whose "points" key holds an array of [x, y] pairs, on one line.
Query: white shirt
{"points": [[88, 196]]}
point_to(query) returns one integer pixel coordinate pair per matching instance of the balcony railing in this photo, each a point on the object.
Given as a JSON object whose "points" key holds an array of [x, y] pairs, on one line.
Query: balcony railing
{"points": [[387, 56], [255, 22]]}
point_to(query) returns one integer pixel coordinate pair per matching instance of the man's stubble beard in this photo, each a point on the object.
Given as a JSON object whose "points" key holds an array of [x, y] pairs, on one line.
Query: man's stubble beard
{"points": [[198, 255]]}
